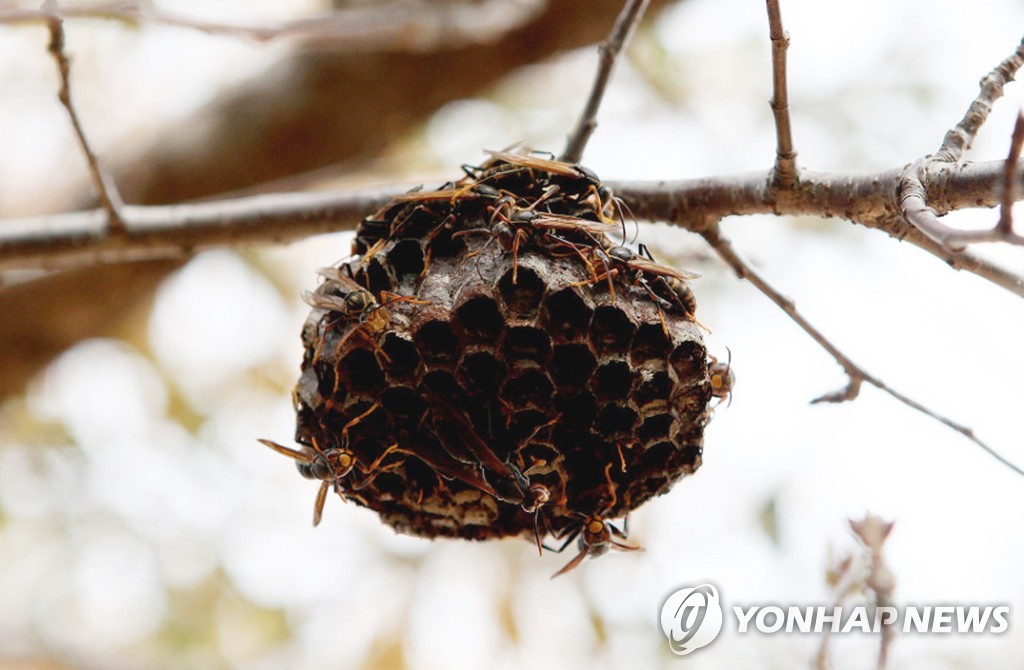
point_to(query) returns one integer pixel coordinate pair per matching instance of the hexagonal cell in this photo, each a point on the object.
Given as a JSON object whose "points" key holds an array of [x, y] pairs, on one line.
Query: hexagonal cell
{"points": [[612, 381], [576, 414], [616, 421], [402, 358], [581, 457], [572, 365], [403, 402], [442, 384], [566, 315], [362, 419], [652, 391], [437, 342], [650, 343], [441, 244], [406, 258], [480, 372], [527, 425], [415, 220], [691, 456], [659, 455], [359, 371], [321, 378], [655, 428], [522, 297], [307, 423], [611, 330], [688, 361], [479, 319], [532, 388], [375, 276], [691, 405], [524, 343]]}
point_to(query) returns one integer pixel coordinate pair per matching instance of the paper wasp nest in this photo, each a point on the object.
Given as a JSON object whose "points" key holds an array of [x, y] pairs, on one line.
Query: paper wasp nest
{"points": [[492, 362]]}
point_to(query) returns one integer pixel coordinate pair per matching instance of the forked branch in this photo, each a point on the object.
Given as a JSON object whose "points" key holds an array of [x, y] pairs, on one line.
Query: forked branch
{"points": [[914, 196], [856, 374]]}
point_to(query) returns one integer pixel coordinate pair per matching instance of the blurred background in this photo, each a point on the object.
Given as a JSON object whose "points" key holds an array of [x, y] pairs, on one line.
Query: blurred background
{"points": [[142, 525]]}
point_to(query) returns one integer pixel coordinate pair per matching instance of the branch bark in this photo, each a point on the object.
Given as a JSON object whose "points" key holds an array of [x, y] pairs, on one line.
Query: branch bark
{"points": [[76, 239], [784, 175]]}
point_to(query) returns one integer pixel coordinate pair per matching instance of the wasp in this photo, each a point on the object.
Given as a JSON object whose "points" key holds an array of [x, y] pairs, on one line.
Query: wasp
{"points": [[401, 212], [460, 440], [334, 466], [444, 466], [679, 293], [358, 304], [573, 178], [722, 378], [644, 271], [642, 262], [507, 223], [594, 537]]}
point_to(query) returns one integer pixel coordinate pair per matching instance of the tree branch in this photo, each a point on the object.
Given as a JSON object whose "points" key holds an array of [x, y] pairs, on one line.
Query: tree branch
{"points": [[76, 239], [869, 200], [106, 189], [784, 175], [960, 138], [914, 202], [856, 374], [1004, 228], [380, 26], [915, 209], [608, 51], [175, 231]]}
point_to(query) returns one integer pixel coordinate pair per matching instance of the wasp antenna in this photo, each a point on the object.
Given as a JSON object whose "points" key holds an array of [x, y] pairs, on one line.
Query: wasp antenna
{"points": [[300, 456]]}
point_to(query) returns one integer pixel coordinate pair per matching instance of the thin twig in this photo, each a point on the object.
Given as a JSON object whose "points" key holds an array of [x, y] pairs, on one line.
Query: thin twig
{"points": [[784, 175], [1004, 227], [381, 26], [962, 135], [608, 51], [914, 203], [856, 374], [106, 189]]}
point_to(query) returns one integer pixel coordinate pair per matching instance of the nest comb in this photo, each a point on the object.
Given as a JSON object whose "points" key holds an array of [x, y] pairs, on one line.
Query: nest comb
{"points": [[492, 361]]}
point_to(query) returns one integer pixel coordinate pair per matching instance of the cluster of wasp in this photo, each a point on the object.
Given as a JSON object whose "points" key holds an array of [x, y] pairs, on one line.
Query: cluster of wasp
{"points": [[495, 359]]}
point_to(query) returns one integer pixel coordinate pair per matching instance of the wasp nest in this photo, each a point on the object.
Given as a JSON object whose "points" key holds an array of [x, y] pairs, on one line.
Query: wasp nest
{"points": [[493, 361]]}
